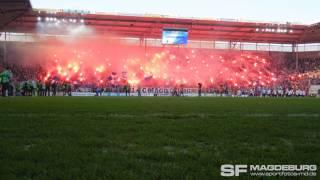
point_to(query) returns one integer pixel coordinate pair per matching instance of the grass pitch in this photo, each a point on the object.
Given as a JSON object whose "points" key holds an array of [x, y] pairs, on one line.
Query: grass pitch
{"points": [[152, 137]]}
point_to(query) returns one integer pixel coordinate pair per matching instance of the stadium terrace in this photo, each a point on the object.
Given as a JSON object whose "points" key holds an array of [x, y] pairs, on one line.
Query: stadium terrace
{"points": [[157, 97], [74, 53]]}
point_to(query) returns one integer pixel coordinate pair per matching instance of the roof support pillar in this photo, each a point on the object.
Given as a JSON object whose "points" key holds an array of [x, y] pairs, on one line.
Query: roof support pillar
{"points": [[295, 54], [141, 41], [5, 48]]}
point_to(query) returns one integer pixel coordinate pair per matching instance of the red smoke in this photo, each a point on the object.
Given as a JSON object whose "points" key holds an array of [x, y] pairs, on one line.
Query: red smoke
{"points": [[101, 62]]}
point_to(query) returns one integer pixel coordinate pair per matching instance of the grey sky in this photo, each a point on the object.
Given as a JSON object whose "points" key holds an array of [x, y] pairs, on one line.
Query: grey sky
{"points": [[302, 11]]}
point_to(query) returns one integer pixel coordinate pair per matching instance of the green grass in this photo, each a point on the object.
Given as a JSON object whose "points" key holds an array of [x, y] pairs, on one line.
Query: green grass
{"points": [[152, 138]]}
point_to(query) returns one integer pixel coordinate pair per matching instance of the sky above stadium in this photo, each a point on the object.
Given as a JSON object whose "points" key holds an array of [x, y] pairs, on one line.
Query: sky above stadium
{"points": [[300, 11]]}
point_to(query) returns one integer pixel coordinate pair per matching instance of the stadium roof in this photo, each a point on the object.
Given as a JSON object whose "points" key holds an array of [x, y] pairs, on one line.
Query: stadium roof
{"points": [[12, 9], [151, 26]]}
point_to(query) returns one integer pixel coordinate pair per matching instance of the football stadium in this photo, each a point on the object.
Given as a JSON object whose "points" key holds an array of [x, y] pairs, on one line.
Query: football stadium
{"points": [[104, 95]]}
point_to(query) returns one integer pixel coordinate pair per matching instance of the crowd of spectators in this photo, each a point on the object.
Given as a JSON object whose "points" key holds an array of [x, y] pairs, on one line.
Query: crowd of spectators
{"points": [[309, 64], [27, 80]]}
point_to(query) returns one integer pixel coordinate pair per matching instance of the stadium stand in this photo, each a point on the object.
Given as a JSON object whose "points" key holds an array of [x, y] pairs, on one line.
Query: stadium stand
{"points": [[31, 39]]}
